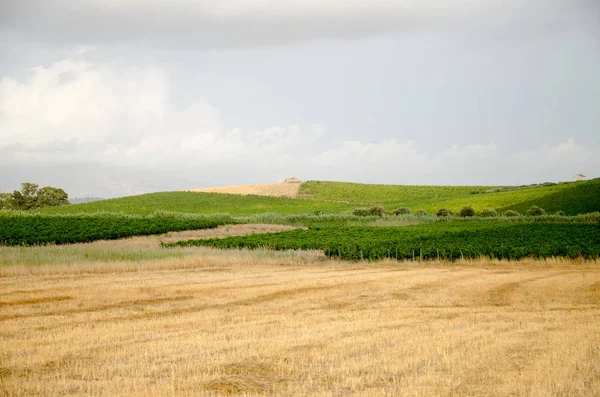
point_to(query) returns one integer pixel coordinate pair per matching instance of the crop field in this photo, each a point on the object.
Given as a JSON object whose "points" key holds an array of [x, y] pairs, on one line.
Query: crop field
{"points": [[18, 228], [203, 203], [258, 323], [572, 198], [338, 198], [227, 295], [448, 240]]}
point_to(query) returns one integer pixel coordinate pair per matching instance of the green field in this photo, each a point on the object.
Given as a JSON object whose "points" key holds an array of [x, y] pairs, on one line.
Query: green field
{"points": [[572, 198], [203, 203], [441, 240], [339, 197]]}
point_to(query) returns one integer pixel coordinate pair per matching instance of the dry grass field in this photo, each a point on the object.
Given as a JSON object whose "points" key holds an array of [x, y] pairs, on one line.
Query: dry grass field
{"points": [[219, 323], [263, 189]]}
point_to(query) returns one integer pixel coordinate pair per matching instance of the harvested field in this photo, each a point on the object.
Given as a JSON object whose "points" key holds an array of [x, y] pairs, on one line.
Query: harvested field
{"points": [[248, 325], [265, 189]]}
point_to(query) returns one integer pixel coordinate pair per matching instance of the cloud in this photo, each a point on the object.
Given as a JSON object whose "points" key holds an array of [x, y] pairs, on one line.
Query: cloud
{"points": [[249, 23], [103, 118]]}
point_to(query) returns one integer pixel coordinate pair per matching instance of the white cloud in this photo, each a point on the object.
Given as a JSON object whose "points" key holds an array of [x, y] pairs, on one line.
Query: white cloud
{"points": [[78, 112], [567, 157]]}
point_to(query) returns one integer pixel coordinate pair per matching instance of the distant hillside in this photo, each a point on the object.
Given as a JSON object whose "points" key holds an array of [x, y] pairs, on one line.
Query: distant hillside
{"points": [[203, 203], [337, 197], [572, 198], [81, 200]]}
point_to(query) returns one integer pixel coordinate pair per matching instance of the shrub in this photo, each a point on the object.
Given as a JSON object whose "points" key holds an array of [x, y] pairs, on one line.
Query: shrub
{"points": [[444, 212], [488, 212], [421, 213], [376, 210], [560, 213], [511, 213], [536, 211], [360, 212], [467, 210], [401, 211]]}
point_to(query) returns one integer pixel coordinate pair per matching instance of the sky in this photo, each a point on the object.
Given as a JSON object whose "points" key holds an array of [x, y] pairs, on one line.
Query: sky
{"points": [[107, 98]]}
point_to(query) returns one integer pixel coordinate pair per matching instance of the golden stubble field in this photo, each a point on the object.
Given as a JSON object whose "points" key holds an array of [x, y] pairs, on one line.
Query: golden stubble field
{"points": [[254, 324]]}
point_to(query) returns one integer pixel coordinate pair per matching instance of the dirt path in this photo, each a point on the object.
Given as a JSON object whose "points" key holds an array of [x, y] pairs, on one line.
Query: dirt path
{"points": [[221, 231]]}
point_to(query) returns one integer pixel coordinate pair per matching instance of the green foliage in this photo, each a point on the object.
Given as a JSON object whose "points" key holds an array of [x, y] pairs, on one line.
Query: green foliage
{"points": [[421, 213], [560, 213], [376, 210], [466, 211], [32, 197], [511, 213], [536, 211], [401, 211], [444, 212], [445, 240], [488, 212], [51, 197], [18, 228]]}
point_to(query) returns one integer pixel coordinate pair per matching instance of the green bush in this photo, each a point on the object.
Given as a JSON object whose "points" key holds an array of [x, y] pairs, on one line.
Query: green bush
{"points": [[401, 211], [488, 212], [466, 211], [376, 210], [560, 213], [536, 211], [421, 213], [444, 212], [511, 213]]}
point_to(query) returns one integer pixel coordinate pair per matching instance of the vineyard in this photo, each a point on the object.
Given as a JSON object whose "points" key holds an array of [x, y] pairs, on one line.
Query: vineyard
{"points": [[448, 240], [572, 198], [18, 228]]}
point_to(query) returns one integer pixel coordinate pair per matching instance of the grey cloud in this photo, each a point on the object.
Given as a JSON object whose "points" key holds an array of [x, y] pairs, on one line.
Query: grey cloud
{"points": [[237, 23]]}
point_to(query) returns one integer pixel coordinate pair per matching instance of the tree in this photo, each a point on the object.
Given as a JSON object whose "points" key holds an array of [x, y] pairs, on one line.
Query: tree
{"points": [[32, 197], [4, 200], [51, 197]]}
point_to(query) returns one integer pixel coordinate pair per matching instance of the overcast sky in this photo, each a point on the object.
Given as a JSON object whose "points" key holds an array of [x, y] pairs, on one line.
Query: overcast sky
{"points": [[118, 97]]}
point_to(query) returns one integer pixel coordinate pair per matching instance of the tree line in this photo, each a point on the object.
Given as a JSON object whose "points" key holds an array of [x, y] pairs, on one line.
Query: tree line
{"points": [[31, 197]]}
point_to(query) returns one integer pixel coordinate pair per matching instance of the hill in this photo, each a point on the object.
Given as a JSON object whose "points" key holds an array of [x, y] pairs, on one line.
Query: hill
{"points": [[572, 198], [339, 197], [203, 203]]}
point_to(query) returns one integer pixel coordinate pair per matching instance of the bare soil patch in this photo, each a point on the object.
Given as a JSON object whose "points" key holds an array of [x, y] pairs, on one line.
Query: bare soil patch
{"points": [[221, 231], [266, 189]]}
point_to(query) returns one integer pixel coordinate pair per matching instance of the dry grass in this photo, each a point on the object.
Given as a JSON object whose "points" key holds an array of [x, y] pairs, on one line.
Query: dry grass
{"points": [[219, 323], [265, 189]]}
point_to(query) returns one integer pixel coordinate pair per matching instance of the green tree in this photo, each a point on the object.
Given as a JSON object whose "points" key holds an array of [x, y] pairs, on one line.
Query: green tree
{"points": [[31, 197], [4, 200], [51, 197]]}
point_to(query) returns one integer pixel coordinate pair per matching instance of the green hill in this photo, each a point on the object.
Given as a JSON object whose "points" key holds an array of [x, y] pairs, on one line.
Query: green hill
{"points": [[203, 203], [339, 197], [572, 198]]}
